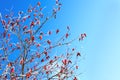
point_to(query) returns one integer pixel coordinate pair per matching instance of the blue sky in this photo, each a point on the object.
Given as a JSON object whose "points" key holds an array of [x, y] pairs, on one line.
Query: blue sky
{"points": [[100, 20]]}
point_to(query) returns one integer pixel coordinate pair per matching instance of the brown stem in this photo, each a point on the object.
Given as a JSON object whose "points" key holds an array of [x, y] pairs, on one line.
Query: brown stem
{"points": [[44, 23]]}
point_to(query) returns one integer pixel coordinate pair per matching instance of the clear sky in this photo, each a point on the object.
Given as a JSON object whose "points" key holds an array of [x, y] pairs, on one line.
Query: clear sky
{"points": [[100, 19]]}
